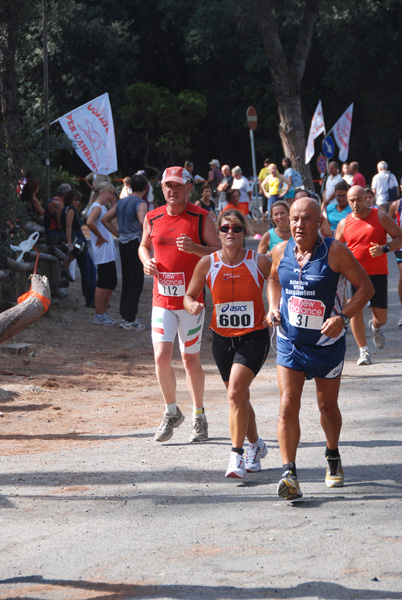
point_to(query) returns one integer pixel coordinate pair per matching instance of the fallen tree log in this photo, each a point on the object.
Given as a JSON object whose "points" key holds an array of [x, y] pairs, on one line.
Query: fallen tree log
{"points": [[19, 317], [42, 256], [13, 265]]}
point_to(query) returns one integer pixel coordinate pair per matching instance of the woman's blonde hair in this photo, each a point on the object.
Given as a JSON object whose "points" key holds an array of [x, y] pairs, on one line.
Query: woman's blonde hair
{"points": [[104, 186]]}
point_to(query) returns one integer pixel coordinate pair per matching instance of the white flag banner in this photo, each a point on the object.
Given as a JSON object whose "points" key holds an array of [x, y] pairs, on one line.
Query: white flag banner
{"points": [[317, 127], [90, 128], [342, 133]]}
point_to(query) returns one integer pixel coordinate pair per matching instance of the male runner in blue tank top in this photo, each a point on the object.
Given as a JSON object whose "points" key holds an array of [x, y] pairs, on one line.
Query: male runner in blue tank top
{"points": [[305, 294]]}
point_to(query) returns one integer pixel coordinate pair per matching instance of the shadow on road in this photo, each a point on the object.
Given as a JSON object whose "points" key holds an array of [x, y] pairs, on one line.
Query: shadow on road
{"points": [[126, 591]]}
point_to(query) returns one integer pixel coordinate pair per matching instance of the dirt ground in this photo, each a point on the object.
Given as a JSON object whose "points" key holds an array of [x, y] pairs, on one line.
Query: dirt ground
{"points": [[77, 381]]}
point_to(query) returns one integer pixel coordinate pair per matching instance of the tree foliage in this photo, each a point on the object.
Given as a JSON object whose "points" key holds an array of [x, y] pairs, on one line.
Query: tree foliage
{"points": [[209, 59], [159, 123]]}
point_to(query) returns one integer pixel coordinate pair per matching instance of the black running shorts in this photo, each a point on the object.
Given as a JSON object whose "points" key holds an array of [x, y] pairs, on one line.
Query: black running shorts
{"points": [[249, 350]]}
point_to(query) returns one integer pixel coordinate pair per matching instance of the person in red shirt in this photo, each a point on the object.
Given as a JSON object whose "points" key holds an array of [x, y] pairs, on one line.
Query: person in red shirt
{"points": [[365, 232], [175, 237], [358, 178]]}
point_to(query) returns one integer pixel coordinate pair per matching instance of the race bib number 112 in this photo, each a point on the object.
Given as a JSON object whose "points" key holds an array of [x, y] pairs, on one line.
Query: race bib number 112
{"points": [[171, 284]]}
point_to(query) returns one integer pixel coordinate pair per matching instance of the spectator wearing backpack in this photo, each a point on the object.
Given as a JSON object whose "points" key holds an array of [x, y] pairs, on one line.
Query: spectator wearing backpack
{"points": [[385, 187]]}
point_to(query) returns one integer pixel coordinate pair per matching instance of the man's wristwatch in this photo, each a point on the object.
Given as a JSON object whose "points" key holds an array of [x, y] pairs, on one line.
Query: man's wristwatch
{"points": [[385, 248], [344, 318]]}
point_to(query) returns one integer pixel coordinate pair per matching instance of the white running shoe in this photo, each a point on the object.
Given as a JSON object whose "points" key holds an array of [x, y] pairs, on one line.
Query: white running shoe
{"points": [[400, 321], [364, 358], [237, 467], [254, 454]]}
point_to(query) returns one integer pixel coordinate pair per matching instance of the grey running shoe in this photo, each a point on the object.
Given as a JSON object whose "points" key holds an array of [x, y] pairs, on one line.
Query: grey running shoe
{"points": [[110, 319], [236, 468], [168, 423], [334, 475], [400, 321], [364, 358], [288, 487], [254, 454], [378, 337], [102, 320], [199, 432]]}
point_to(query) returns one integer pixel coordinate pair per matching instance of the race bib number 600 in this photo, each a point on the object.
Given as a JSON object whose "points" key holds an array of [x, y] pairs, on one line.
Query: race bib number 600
{"points": [[304, 313], [238, 315], [171, 284]]}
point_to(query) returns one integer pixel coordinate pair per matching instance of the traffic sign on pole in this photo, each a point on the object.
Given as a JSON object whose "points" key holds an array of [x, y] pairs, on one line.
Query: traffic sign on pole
{"points": [[252, 118], [321, 164], [328, 146], [252, 123]]}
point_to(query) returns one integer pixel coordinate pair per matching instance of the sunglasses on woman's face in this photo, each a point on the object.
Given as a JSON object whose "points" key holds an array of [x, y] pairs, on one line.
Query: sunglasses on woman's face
{"points": [[234, 228]]}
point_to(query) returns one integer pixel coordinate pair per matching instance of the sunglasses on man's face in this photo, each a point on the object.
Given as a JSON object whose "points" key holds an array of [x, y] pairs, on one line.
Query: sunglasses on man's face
{"points": [[234, 228]]}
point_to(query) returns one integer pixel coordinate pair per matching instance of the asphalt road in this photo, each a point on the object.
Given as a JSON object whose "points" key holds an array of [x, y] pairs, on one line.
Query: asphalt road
{"points": [[130, 518]]}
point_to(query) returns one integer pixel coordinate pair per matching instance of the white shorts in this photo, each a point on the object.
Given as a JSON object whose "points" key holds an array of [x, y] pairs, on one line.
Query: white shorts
{"points": [[167, 323]]}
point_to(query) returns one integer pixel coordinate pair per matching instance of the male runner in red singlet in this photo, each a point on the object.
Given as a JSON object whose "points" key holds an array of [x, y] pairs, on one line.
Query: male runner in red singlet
{"points": [[395, 212], [365, 232], [179, 234]]}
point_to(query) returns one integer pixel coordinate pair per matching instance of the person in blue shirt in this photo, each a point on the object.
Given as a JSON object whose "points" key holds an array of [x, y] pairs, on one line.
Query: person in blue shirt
{"points": [[294, 178], [305, 296], [340, 210]]}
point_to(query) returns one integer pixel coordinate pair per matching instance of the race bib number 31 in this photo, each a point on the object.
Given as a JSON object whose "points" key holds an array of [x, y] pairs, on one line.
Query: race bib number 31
{"points": [[235, 315], [307, 314], [171, 284]]}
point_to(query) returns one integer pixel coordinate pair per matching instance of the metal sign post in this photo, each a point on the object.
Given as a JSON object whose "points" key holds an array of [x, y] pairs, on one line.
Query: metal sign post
{"points": [[252, 123]]}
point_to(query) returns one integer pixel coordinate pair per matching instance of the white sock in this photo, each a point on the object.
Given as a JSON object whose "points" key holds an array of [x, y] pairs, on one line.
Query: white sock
{"points": [[198, 411], [171, 409], [364, 348]]}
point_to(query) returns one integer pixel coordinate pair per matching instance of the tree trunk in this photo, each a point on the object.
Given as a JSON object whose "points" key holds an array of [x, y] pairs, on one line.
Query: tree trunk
{"points": [[287, 78], [19, 317], [11, 17], [292, 134]]}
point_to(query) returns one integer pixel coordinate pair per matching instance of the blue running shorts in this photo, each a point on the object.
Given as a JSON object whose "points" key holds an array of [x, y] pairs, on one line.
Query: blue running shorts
{"points": [[315, 361]]}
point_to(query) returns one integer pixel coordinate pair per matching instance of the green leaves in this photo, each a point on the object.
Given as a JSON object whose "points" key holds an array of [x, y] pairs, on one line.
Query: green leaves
{"points": [[160, 122]]}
